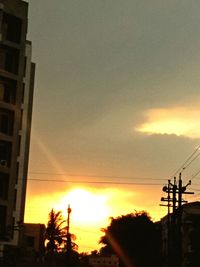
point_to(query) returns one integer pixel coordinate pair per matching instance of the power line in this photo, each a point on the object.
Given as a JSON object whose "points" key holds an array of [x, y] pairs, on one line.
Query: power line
{"points": [[194, 175], [196, 195], [87, 231], [196, 184], [91, 182], [183, 167], [195, 189], [191, 161], [97, 176]]}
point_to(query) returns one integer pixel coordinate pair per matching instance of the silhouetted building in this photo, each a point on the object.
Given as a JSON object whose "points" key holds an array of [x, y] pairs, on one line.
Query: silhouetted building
{"points": [[34, 236], [16, 96], [181, 237], [104, 261]]}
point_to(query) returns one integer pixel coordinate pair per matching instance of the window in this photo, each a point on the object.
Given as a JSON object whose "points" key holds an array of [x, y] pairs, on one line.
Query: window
{"points": [[194, 239], [5, 153], [6, 121], [8, 91], [30, 241], [21, 119], [9, 59], [12, 228], [12, 28], [3, 58], [25, 62], [11, 64], [3, 212], [23, 89], [19, 144], [4, 185], [1, 91], [15, 200], [17, 172]]}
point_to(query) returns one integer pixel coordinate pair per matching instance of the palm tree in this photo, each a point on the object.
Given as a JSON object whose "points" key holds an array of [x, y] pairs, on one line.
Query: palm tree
{"points": [[55, 232]]}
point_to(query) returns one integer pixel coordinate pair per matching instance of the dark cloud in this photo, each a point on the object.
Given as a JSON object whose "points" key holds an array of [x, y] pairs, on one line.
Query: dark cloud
{"points": [[101, 65]]}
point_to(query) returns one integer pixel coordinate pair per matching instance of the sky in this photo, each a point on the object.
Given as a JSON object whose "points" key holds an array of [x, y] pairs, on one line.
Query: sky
{"points": [[116, 108]]}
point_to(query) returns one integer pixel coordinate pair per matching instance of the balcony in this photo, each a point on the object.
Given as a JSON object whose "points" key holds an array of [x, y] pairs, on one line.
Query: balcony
{"points": [[8, 91], [9, 59], [11, 28]]}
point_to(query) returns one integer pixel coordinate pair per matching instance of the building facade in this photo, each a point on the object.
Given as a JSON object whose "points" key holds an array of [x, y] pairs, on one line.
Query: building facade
{"points": [[16, 97], [34, 237], [104, 261], [181, 237]]}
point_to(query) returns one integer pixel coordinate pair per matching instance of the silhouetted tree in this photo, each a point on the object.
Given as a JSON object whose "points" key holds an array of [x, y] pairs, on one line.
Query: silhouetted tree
{"points": [[134, 238], [55, 232], [94, 253]]}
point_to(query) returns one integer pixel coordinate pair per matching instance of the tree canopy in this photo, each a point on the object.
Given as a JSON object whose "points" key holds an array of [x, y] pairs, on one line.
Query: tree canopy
{"points": [[55, 232], [134, 238]]}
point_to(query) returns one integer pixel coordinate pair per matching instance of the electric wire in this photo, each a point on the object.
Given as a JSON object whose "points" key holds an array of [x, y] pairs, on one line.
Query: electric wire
{"points": [[95, 176], [183, 167], [92, 182], [195, 189], [85, 230], [194, 175], [191, 161], [194, 196]]}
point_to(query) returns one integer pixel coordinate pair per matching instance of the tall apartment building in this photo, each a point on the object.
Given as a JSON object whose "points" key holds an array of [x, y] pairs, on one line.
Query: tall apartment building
{"points": [[16, 96]]}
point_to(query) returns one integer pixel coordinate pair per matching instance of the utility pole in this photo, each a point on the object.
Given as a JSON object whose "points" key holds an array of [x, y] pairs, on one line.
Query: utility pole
{"points": [[170, 189], [174, 199], [68, 242], [175, 190], [180, 185], [182, 190]]}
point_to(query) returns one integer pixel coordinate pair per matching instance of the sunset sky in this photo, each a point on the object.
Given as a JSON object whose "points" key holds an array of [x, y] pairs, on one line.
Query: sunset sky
{"points": [[116, 108]]}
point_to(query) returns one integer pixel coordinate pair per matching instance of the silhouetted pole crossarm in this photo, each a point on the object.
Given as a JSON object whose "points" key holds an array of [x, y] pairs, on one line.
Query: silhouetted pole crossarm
{"points": [[174, 189]]}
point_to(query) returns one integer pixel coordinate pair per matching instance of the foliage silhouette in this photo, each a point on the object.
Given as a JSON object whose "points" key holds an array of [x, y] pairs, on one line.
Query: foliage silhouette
{"points": [[55, 232], [134, 238]]}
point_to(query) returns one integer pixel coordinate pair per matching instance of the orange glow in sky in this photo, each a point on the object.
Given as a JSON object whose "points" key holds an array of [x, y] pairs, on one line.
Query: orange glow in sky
{"points": [[88, 208], [91, 209], [117, 103], [175, 120], [92, 206]]}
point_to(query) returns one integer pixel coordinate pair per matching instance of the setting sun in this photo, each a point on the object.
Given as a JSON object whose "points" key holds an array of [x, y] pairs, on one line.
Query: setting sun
{"points": [[91, 207], [88, 208]]}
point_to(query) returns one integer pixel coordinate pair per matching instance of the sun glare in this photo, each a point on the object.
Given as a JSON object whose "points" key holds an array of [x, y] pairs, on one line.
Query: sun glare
{"points": [[91, 209], [88, 208]]}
